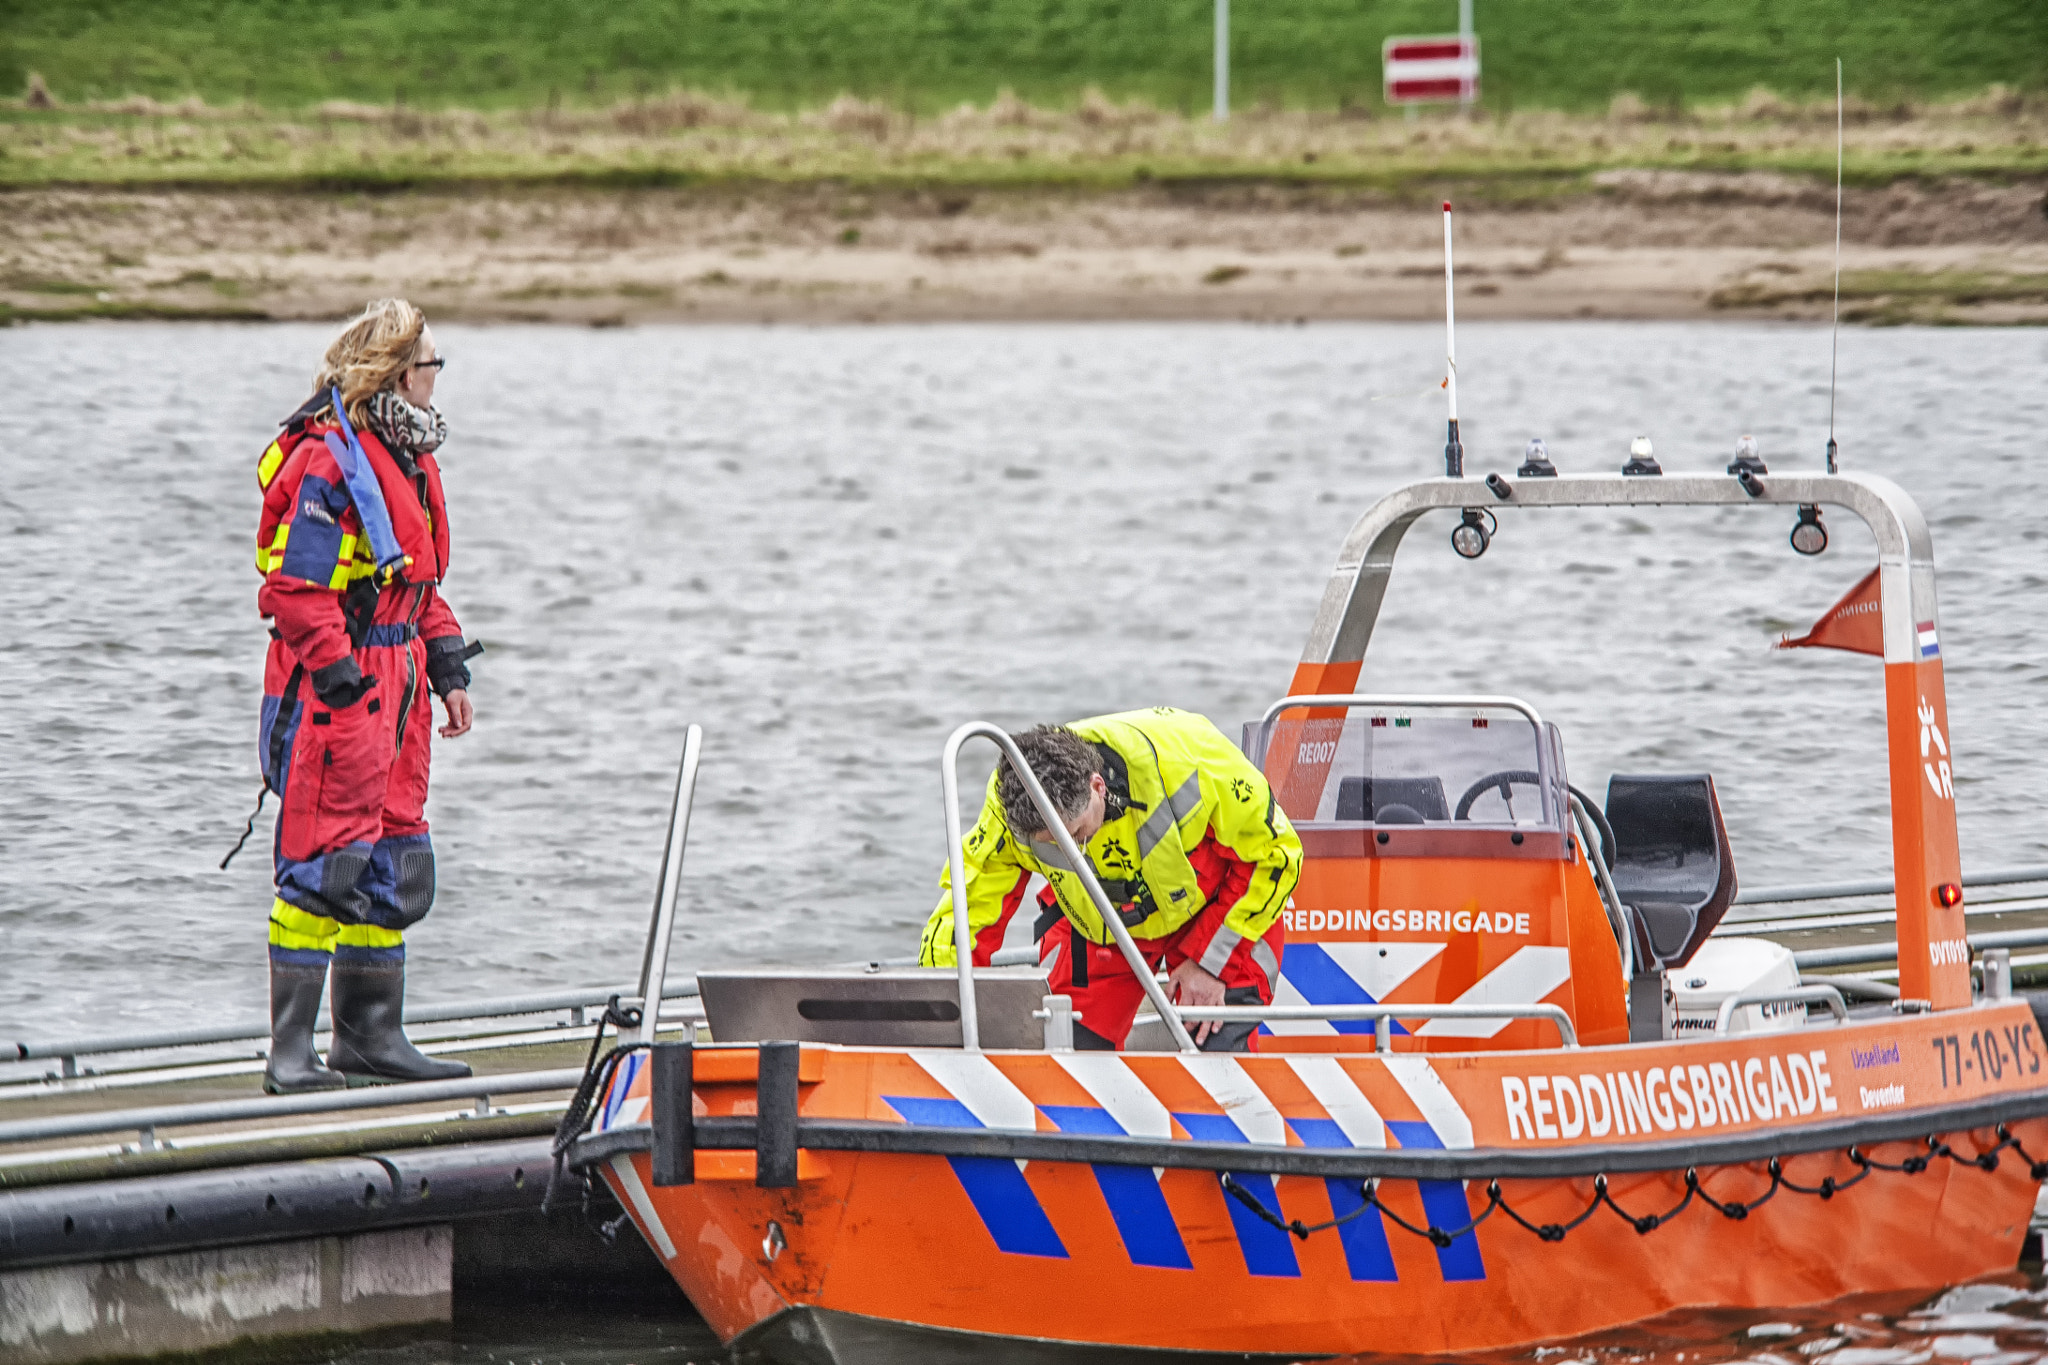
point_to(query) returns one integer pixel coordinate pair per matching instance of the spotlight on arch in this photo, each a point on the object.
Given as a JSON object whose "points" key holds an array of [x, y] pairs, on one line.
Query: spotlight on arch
{"points": [[1809, 537], [1471, 536]]}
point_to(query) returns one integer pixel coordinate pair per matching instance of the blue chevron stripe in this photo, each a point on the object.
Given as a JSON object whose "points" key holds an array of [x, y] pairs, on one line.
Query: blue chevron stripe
{"points": [[1135, 1201], [1444, 1201], [1266, 1248], [1313, 972], [1364, 1235], [994, 1185]]}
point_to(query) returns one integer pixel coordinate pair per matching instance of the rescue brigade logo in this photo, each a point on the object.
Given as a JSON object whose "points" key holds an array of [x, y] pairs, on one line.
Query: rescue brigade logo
{"points": [[311, 508], [1931, 742], [1242, 790], [1629, 1103]]}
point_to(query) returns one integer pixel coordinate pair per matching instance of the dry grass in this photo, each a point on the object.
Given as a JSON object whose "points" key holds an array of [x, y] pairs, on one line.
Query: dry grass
{"points": [[685, 135]]}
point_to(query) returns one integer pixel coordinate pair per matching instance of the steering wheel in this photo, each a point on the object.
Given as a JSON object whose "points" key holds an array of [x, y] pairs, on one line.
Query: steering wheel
{"points": [[1500, 782], [1509, 777]]}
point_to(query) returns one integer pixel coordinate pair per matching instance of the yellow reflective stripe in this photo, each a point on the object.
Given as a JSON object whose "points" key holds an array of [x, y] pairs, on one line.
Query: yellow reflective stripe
{"points": [[268, 560], [346, 570], [266, 468], [370, 936], [291, 927]]}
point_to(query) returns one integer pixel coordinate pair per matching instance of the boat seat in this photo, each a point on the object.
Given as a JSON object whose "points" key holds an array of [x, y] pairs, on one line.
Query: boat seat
{"points": [[1392, 800], [1672, 867]]}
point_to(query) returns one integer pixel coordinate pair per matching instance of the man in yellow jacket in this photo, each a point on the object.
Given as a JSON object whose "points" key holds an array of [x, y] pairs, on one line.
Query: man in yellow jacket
{"points": [[1190, 846]]}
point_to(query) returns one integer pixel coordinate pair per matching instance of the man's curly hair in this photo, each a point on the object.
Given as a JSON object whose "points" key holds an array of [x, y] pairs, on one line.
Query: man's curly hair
{"points": [[1063, 761]]}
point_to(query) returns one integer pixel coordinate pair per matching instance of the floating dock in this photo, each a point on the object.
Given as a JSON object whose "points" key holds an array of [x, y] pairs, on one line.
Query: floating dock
{"points": [[153, 1200]]}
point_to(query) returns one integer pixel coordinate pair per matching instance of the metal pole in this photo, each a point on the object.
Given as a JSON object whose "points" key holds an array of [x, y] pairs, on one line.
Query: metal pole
{"points": [[1464, 18], [949, 779], [1222, 111], [654, 961]]}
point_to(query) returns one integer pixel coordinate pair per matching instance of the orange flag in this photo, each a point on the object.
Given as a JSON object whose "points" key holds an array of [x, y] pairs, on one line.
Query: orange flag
{"points": [[1855, 623]]}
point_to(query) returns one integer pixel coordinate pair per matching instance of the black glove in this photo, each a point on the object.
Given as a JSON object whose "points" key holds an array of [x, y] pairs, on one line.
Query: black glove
{"points": [[447, 664], [341, 684]]}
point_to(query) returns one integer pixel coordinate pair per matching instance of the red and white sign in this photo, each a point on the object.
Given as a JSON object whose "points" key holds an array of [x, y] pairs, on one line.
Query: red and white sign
{"points": [[1431, 70]]}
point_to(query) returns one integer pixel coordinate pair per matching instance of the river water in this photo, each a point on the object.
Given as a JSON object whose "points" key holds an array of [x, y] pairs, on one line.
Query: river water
{"points": [[2000, 1323], [830, 546]]}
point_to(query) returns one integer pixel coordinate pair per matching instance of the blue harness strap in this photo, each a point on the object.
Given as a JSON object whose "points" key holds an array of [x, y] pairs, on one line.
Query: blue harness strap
{"points": [[365, 493], [390, 636]]}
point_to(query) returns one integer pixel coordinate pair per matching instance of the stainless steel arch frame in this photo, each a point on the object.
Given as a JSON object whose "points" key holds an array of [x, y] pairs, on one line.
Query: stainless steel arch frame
{"points": [[1926, 864], [1351, 600]]}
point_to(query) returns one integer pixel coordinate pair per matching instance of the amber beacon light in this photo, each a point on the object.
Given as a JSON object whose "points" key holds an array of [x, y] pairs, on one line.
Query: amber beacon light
{"points": [[1948, 894]]}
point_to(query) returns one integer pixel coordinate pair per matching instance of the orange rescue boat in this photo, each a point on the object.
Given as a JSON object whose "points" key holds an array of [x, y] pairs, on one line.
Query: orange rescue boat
{"points": [[1513, 1087]]}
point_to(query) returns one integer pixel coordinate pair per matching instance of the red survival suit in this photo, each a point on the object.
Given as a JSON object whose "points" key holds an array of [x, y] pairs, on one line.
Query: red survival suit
{"points": [[347, 722]]}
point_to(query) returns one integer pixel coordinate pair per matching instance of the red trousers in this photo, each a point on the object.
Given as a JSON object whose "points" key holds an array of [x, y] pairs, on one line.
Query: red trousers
{"points": [[352, 842], [1106, 995]]}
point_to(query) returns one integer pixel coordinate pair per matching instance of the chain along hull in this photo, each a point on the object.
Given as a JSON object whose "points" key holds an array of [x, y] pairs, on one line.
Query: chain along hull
{"points": [[1483, 1200]]}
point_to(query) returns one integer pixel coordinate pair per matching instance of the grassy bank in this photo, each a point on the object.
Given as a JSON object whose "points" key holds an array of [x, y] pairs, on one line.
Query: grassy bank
{"points": [[923, 56], [691, 139]]}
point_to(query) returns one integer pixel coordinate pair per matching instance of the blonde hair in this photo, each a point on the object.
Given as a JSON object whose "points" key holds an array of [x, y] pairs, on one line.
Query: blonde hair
{"points": [[371, 353]]}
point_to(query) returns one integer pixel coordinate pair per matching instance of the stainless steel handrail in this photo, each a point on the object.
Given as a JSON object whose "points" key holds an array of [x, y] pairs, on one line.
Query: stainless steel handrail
{"points": [[1603, 881], [1385, 1014], [1350, 700], [1816, 995], [45, 1049], [963, 943], [151, 1118], [668, 886], [1827, 891], [1861, 953]]}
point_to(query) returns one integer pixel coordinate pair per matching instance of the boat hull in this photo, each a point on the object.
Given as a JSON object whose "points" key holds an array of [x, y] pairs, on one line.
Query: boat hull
{"points": [[1129, 1261]]}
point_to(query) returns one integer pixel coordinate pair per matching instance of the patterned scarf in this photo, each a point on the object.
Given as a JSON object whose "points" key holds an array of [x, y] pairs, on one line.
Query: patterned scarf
{"points": [[404, 428]]}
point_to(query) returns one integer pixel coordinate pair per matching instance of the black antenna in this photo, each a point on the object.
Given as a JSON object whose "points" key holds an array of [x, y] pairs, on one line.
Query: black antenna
{"points": [[1835, 342], [1454, 450]]}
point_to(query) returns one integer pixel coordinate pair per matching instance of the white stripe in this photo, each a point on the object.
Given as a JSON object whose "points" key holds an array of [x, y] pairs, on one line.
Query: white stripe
{"points": [[631, 1110], [636, 1195], [1431, 69], [988, 1094], [1379, 968], [1524, 979], [1341, 1099], [1284, 993], [1112, 1085], [1427, 1091], [1240, 1097]]}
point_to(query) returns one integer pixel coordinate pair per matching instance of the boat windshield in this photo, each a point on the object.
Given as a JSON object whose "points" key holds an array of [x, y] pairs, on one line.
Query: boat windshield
{"points": [[1472, 766]]}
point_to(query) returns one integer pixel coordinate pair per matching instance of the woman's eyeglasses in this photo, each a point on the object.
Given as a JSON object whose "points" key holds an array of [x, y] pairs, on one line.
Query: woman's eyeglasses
{"points": [[436, 363]]}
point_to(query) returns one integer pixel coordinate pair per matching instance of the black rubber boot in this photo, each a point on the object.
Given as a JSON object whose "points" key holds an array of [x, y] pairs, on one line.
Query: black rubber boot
{"points": [[370, 1047], [294, 1000]]}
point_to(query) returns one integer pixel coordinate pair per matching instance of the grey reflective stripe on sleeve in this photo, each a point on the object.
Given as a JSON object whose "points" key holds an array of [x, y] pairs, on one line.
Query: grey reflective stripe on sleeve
{"points": [[1049, 854], [1269, 961], [1220, 948], [1178, 807]]}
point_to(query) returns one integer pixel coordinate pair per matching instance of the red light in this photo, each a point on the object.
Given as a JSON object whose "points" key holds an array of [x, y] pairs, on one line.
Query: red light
{"points": [[1948, 894]]}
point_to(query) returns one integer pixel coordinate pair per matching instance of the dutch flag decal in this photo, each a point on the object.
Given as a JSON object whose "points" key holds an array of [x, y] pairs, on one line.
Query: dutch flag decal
{"points": [[1930, 646]]}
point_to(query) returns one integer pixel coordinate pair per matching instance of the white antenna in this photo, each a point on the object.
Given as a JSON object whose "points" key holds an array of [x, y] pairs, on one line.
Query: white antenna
{"points": [[1835, 342], [1454, 453]]}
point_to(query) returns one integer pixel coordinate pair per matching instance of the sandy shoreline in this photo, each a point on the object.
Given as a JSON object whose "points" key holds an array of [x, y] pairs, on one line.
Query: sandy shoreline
{"points": [[1638, 244]]}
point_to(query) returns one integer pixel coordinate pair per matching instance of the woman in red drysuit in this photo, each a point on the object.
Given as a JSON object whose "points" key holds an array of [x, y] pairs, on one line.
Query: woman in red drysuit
{"points": [[353, 548]]}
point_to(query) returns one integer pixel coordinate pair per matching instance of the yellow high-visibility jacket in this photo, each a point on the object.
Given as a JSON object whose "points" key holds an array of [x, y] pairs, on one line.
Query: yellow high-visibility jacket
{"points": [[1182, 781]]}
